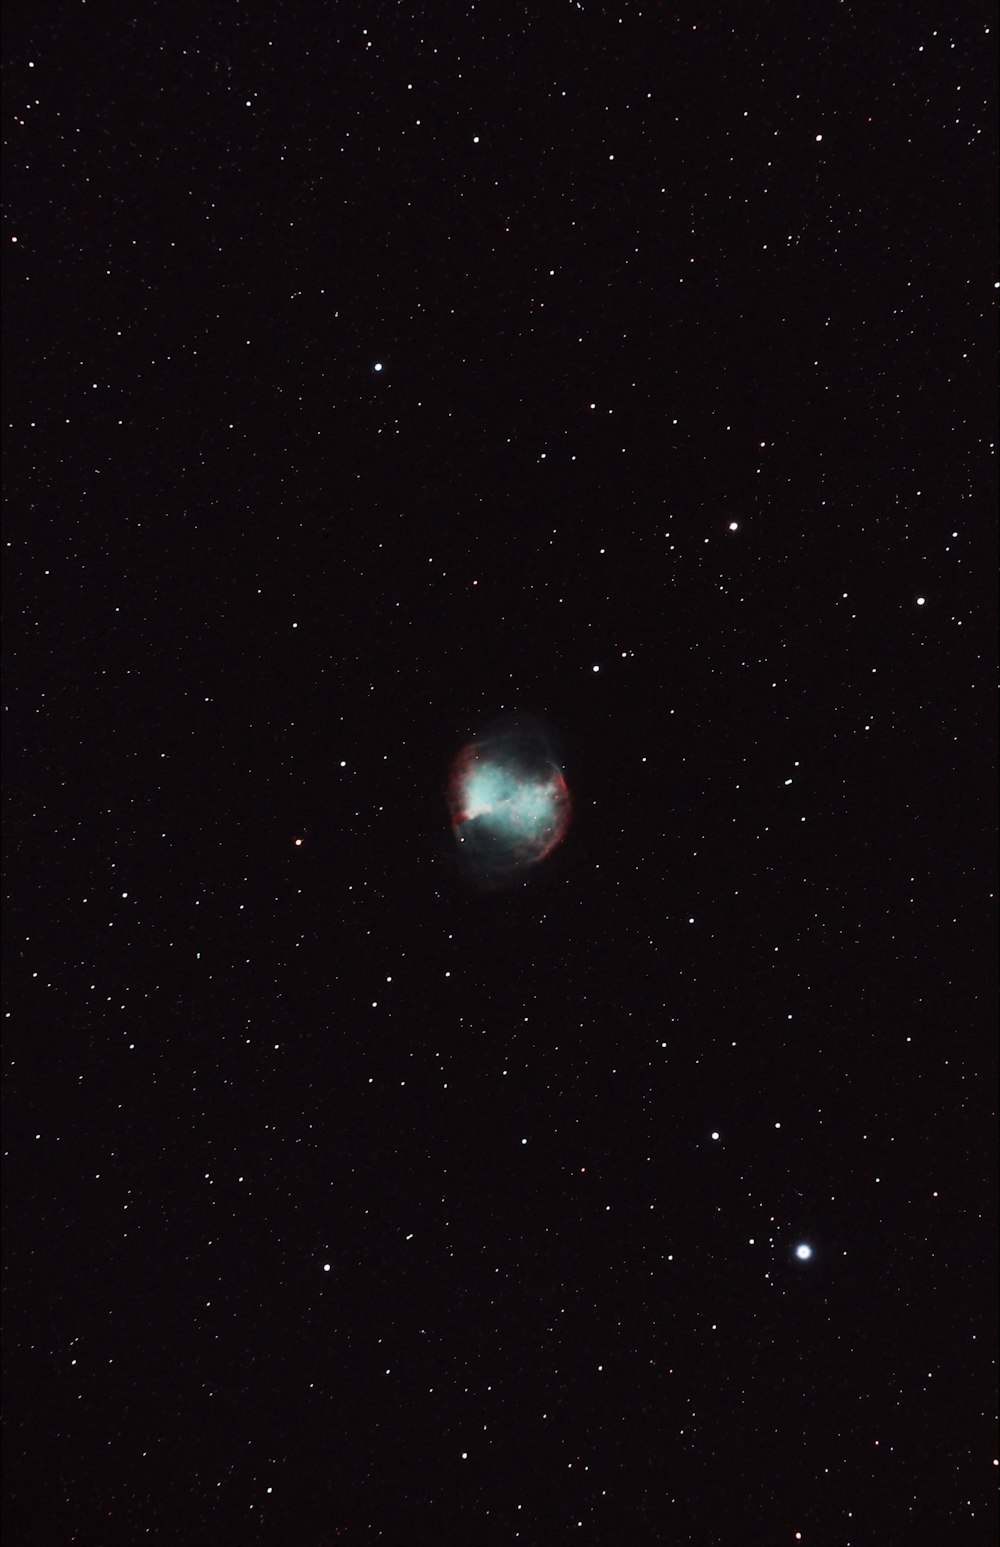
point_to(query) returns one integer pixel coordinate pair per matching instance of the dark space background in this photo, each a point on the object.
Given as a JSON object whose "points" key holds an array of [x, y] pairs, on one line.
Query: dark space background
{"points": [[344, 1203]]}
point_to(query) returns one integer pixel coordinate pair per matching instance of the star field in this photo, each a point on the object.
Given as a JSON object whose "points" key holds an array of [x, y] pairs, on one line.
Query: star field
{"points": [[373, 375]]}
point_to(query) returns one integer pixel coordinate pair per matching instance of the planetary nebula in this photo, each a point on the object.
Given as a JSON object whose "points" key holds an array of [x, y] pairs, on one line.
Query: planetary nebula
{"points": [[509, 802]]}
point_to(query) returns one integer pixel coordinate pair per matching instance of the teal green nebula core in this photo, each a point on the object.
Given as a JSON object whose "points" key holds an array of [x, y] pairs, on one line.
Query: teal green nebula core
{"points": [[510, 808]]}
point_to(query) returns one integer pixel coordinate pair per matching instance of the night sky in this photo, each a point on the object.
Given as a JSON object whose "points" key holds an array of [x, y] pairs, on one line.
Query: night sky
{"points": [[384, 380]]}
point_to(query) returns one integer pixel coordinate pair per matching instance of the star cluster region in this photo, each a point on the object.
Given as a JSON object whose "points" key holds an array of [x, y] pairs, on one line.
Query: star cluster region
{"points": [[370, 374]]}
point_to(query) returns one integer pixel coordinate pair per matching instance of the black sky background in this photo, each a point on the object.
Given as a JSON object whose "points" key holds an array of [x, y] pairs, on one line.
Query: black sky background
{"points": [[344, 1202]]}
